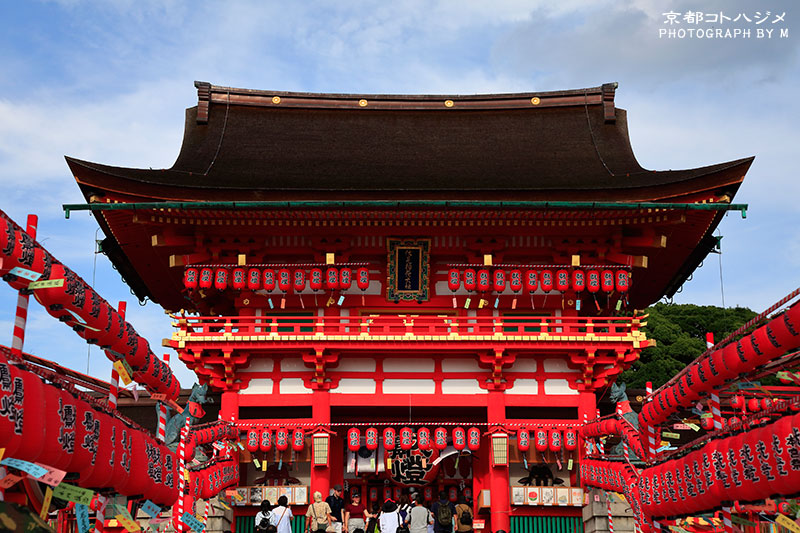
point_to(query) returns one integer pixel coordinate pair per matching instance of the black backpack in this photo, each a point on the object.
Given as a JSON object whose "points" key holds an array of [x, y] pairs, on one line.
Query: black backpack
{"points": [[444, 515], [466, 518]]}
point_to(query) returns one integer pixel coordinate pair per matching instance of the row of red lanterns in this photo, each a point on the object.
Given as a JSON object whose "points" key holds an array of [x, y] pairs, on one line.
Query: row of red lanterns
{"points": [[263, 440], [268, 279], [748, 467], [98, 323], [544, 439], [42, 423], [424, 438], [779, 335], [484, 280]]}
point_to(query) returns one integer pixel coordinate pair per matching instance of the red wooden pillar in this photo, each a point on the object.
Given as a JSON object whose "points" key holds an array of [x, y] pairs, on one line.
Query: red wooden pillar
{"points": [[321, 415], [499, 484]]}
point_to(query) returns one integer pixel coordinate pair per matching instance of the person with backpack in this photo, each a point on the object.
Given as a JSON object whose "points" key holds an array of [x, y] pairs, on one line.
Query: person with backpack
{"points": [[389, 520], [443, 512], [263, 517], [318, 515], [463, 515], [419, 517]]}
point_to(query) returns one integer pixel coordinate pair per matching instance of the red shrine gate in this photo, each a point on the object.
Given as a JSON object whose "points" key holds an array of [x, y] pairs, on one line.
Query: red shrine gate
{"points": [[408, 290]]}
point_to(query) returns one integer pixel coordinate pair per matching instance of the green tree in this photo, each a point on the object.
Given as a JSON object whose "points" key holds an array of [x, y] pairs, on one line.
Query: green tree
{"points": [[680, 335]]}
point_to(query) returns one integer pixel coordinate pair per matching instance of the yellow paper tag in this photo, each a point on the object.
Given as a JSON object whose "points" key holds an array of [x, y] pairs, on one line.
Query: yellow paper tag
{"points": [[48, 495], [256, 462], [264, 466], [2, 453], [238, 496], [788, 523], [186, 475], [127, 523], [123, 373], [46, 284]]}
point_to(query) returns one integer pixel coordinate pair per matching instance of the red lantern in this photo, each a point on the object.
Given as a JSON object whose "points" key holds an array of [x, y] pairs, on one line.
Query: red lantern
{"points": [[102, 462], [299, 281], [766, 403], [252, 440], [32, 414], [53, 428], [440, 438], [540, 439], [593, 281], [221, 279], [389, 438], [265, 443], [371, 438], [459, 438], [238, 279], [284, 280], [623, 280], [523, 440], [268, 280], [562, 280], [578, 280], [707, 423], [254, 279], [206, 278], [473, 439], [531, 281], [470, 279], [353, 439], [555, 440], [345, 278], [12, 396], [570, 439], [547, 280], [515, 280], [362, 278], [332, 279], [734, 421], [190, 278], [424, 438], [483, 280], [298, 440], [406, 438], [607, 281], [499, 283], [453, 279], [753, 405], [282, 439]]}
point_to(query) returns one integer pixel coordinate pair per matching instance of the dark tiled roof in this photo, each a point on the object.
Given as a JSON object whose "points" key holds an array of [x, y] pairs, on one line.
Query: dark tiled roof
{"points": [[245, 144]]}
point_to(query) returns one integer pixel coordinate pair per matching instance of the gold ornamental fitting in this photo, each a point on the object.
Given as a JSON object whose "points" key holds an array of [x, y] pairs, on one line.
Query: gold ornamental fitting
{"points": [[362, 103], [535, 100], [448, 103], [276, 99]]}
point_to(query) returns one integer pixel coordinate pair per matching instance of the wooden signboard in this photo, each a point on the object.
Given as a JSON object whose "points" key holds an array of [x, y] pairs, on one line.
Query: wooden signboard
{"points": [[408, 269]]}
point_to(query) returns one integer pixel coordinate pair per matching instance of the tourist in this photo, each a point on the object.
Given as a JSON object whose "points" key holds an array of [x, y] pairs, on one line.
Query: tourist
{"points": [[463, 515], [282, 516], [389, 518], [372, 519], [263, 517], [355, 514], [443, 512], [336, 504], [419, 518], [318, 515]]}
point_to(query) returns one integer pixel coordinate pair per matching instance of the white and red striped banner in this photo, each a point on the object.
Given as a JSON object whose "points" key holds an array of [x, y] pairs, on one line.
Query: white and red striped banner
{"points": [[21, 318]]}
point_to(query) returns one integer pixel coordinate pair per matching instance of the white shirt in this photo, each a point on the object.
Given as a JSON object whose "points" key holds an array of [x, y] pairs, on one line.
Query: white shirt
{"points": [[282, 520], [260, 515], [389, 521]]}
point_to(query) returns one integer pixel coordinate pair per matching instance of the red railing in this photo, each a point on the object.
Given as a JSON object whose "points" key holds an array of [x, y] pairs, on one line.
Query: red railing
{"points": [[404, 325]]}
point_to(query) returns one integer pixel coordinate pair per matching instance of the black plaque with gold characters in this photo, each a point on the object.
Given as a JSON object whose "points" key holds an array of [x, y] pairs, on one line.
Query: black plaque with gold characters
{"points": [[408, 269]]}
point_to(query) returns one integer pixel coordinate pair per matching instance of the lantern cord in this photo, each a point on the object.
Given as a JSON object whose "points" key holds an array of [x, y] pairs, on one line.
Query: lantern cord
{"points": [[721, 285]]}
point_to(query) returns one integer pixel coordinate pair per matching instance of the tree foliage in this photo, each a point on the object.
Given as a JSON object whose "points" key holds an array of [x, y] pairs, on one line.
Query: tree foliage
{"points": [[680, 335]]}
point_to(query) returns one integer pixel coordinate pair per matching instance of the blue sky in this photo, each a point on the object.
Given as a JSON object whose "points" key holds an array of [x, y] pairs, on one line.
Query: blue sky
{"points": [[109, 82]]}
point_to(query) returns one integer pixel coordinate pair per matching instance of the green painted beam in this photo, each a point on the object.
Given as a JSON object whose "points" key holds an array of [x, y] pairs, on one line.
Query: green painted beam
{"points": [[372, 204]]}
